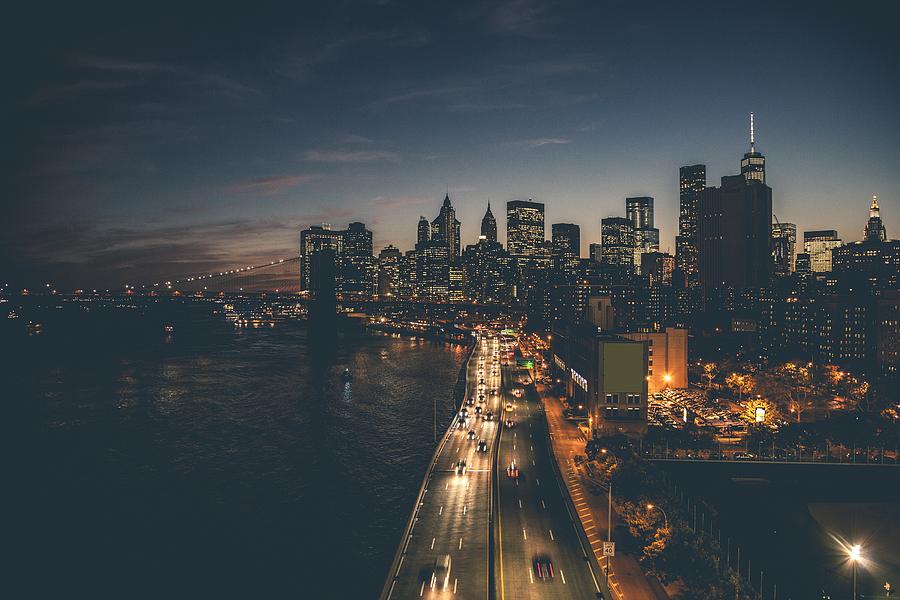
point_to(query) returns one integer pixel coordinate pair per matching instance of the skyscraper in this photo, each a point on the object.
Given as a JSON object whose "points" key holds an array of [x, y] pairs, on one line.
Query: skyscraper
{"points": [[784, 238], [489, 225], [735, 230], [617, 236], [639, 210], [445, 228], [524, 228], [389, 271], [595, 251], [358, 273], [753, 165], [875, 229], [423, 233], [818, 245], [566, 240], [692, 181], [312, 240]]}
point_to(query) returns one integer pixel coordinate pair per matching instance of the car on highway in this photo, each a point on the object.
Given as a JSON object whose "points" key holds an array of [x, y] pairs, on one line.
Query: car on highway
{"points": [[482, 446], [464, 412], [471, 435], [543, 568], [489, 416], [470, 400], [512, 471], [509, 406], [440, 574], [460, 467], [481, 397], [510, 423], [478, 410]]}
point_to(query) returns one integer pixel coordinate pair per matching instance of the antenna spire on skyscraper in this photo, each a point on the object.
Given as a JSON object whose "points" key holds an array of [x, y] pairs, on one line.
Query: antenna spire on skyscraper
{"points": [[752, 135]]}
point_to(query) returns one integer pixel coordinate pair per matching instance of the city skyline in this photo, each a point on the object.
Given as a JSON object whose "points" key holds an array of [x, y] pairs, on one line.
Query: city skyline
{"points": [[121, 176]]}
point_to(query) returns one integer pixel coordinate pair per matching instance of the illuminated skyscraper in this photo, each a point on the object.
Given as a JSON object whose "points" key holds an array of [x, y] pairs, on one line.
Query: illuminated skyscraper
{"points": [[818, 245], [312, 240], [753, 165], [445, 228], [692, 181], [875, 229], [524, 228], [784, 238], [617, 236], [639, 210], [566, 239]]}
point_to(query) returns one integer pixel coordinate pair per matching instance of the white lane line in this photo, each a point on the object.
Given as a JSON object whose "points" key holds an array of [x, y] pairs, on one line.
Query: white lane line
{"points": [[457, 450], [441, 511], [465, 508], [561, 574], [532, 448], [551, 535], [447, 486], [532, 463], [537, 480], [524, 534], [422, 589], [544, 505], [520, 503], [514, 446], [455, 581], [432, 543], [530, 576], [460, 543]]}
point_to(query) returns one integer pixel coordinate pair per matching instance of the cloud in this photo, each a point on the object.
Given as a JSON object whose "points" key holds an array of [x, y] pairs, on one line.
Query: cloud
{"points": [[271, 185], [538, 142], [122, 65], [350, 156], [526, 18]]}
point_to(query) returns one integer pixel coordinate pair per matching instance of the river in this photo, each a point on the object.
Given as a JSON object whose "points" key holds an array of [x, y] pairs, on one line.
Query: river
{"points": [[211, 461]]}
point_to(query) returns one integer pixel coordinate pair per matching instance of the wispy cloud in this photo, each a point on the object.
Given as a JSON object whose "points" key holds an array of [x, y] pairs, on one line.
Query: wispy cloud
{"points": [[271, 185], [400, 201], [350, 156], [103, 63], [548, 141], [526, 18]]}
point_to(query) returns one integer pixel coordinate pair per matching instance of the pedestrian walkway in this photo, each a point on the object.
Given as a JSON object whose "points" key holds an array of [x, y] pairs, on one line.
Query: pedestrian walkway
{"points": [[626, 579]]}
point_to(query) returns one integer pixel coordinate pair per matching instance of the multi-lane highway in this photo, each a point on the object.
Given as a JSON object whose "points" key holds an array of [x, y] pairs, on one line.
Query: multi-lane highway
{"points": [[531, 548], [452, 514], [536, 534]]}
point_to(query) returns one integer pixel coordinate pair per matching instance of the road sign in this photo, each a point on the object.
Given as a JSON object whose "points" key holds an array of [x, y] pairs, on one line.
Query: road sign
{"points": [[609, 548]]}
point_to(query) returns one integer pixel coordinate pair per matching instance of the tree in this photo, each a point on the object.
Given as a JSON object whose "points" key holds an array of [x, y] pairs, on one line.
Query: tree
{"points": [[762, 411], [742, 383], [710, 370]]}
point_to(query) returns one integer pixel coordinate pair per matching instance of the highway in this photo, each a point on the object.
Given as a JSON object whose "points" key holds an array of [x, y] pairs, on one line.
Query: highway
{"points": [[533, 519], [452, 516]]}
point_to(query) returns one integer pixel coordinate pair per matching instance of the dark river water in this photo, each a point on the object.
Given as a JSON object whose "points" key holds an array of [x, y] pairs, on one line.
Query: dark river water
{"points": [[215, 461]]}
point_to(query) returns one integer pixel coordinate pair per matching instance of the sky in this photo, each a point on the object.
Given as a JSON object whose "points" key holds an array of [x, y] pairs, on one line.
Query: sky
{"points": [[146, 142]]}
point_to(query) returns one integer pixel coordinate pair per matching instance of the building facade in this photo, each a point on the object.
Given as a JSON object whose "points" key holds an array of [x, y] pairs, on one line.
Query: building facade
{"points": [[524, 228]]}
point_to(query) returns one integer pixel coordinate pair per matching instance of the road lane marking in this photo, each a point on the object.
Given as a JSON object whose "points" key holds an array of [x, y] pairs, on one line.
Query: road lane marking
{"points": [[432, 543], [520, 503], [460, 543], [544, 505], [551, 535], [441, 511], [530, 576], [455, 581], [465, 507], [524, 534], [537, 480], [561, 574], [422, 589]]}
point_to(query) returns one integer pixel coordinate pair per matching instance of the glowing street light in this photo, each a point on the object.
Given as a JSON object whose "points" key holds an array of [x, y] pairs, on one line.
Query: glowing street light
{"points": [[855, 554], [665, 516]]}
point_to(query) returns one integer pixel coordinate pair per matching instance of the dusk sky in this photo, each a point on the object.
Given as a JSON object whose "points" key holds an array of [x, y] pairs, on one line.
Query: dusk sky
{"points": [[146, 145]]}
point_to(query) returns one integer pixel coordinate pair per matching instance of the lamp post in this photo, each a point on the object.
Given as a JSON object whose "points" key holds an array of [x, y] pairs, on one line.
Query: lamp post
{"points": [[855, 557], [665, 516]]}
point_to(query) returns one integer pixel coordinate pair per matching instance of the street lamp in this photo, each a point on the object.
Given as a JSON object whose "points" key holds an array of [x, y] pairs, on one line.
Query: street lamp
{"points": [[665, 516], [855, 553]]}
